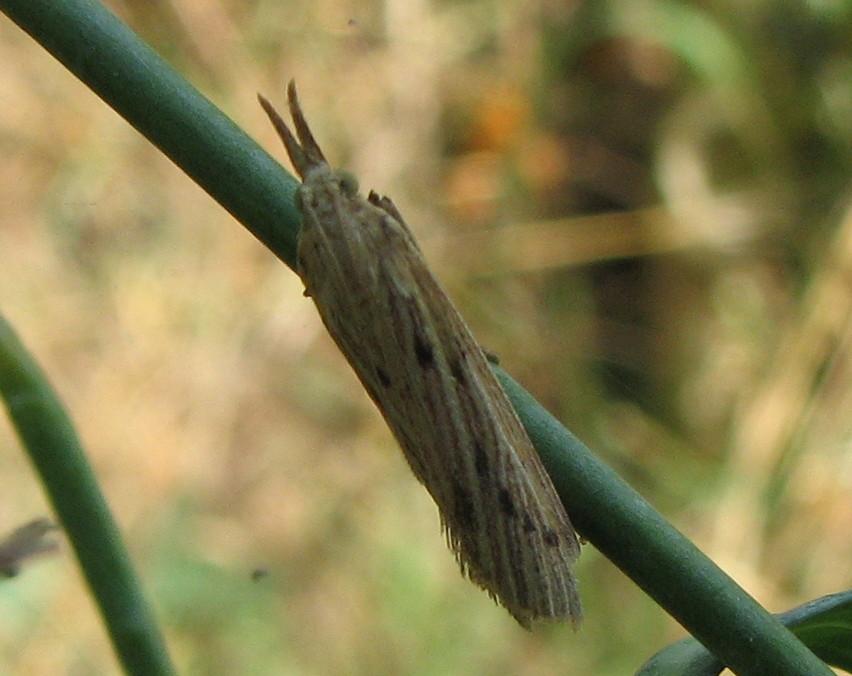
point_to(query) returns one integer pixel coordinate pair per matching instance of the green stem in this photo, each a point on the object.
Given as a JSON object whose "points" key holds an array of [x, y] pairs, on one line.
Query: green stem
{"points": [[129, 76], [49, 437], [636, 538], [123, 71]]}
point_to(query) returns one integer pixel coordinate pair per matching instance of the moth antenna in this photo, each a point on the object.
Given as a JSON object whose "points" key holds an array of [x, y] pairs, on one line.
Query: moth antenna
{"points": [[304, 157]]}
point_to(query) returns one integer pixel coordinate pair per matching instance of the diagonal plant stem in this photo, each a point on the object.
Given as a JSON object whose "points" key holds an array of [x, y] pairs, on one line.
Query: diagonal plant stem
{"points": [[53, 447], [634, 536], [131, 78]]}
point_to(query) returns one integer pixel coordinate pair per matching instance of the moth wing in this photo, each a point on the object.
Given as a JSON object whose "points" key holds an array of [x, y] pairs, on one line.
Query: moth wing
{"points": [[431, 381], [514, 538]]}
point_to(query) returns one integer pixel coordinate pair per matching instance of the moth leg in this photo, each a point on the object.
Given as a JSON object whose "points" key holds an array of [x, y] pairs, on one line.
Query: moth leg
{"points": [[385, 204], [490, 356]]}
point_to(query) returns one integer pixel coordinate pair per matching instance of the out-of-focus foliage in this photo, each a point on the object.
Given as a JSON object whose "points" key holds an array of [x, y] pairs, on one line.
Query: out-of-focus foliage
{"points": [[641, 206]]}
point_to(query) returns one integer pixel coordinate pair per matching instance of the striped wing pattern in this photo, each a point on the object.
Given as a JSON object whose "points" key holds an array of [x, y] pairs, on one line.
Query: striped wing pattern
{"points": [[430, 379]]}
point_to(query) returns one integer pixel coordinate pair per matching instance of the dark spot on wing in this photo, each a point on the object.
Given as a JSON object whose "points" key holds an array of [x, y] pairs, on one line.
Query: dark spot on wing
{"points": [[506, 503], [480, 460], [423, 351], [550, 538], [529, 526], [383, 377], [412, 316]]}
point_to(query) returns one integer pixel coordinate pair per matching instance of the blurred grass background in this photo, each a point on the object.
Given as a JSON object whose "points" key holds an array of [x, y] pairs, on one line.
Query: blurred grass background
{"points": [[643, 207]]}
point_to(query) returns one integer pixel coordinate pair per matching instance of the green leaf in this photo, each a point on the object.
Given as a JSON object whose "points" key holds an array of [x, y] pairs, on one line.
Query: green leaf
{"points": [[824, 625]]}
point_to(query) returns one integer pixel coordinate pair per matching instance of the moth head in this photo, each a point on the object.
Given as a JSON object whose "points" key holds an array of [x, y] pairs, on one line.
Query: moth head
{"points": [[347, 182]]}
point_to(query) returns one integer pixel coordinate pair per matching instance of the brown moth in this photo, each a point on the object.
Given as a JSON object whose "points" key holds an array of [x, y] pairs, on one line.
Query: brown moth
{"points": [[420, 364]]}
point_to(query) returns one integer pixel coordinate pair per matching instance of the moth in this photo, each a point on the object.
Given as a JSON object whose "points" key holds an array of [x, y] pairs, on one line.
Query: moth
{"points": [[420, 364], [23, 543]]}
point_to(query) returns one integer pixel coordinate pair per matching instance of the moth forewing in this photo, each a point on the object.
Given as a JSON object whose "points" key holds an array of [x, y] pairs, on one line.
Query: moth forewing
{"points": [[430, 379]]}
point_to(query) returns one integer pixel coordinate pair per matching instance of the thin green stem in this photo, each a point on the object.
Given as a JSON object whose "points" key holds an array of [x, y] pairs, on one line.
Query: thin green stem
{"points": [[634, 536], [121, 69], [55, 451], [129, 76]]}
